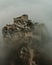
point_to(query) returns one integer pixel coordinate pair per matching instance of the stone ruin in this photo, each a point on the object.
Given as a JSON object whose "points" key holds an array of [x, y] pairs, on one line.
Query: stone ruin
{"points": [[26, 38]]}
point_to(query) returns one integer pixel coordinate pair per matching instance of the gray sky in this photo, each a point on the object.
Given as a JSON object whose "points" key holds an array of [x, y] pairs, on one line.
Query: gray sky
{"points": [[38, 10]]}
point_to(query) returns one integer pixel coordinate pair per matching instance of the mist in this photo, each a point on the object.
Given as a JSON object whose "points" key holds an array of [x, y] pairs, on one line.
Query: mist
{"points": [[38, 11]]}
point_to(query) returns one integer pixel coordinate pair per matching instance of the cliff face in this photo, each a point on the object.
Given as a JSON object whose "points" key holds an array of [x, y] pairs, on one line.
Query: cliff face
{"points": [[23, 27], [26, 37]]}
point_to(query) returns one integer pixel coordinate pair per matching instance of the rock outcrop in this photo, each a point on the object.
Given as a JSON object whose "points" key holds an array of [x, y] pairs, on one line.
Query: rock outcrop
{"points": [[26, 38]]}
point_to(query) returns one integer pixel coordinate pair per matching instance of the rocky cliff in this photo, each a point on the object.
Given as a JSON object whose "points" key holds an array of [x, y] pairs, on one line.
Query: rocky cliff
{"points": [[25, 38]]}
